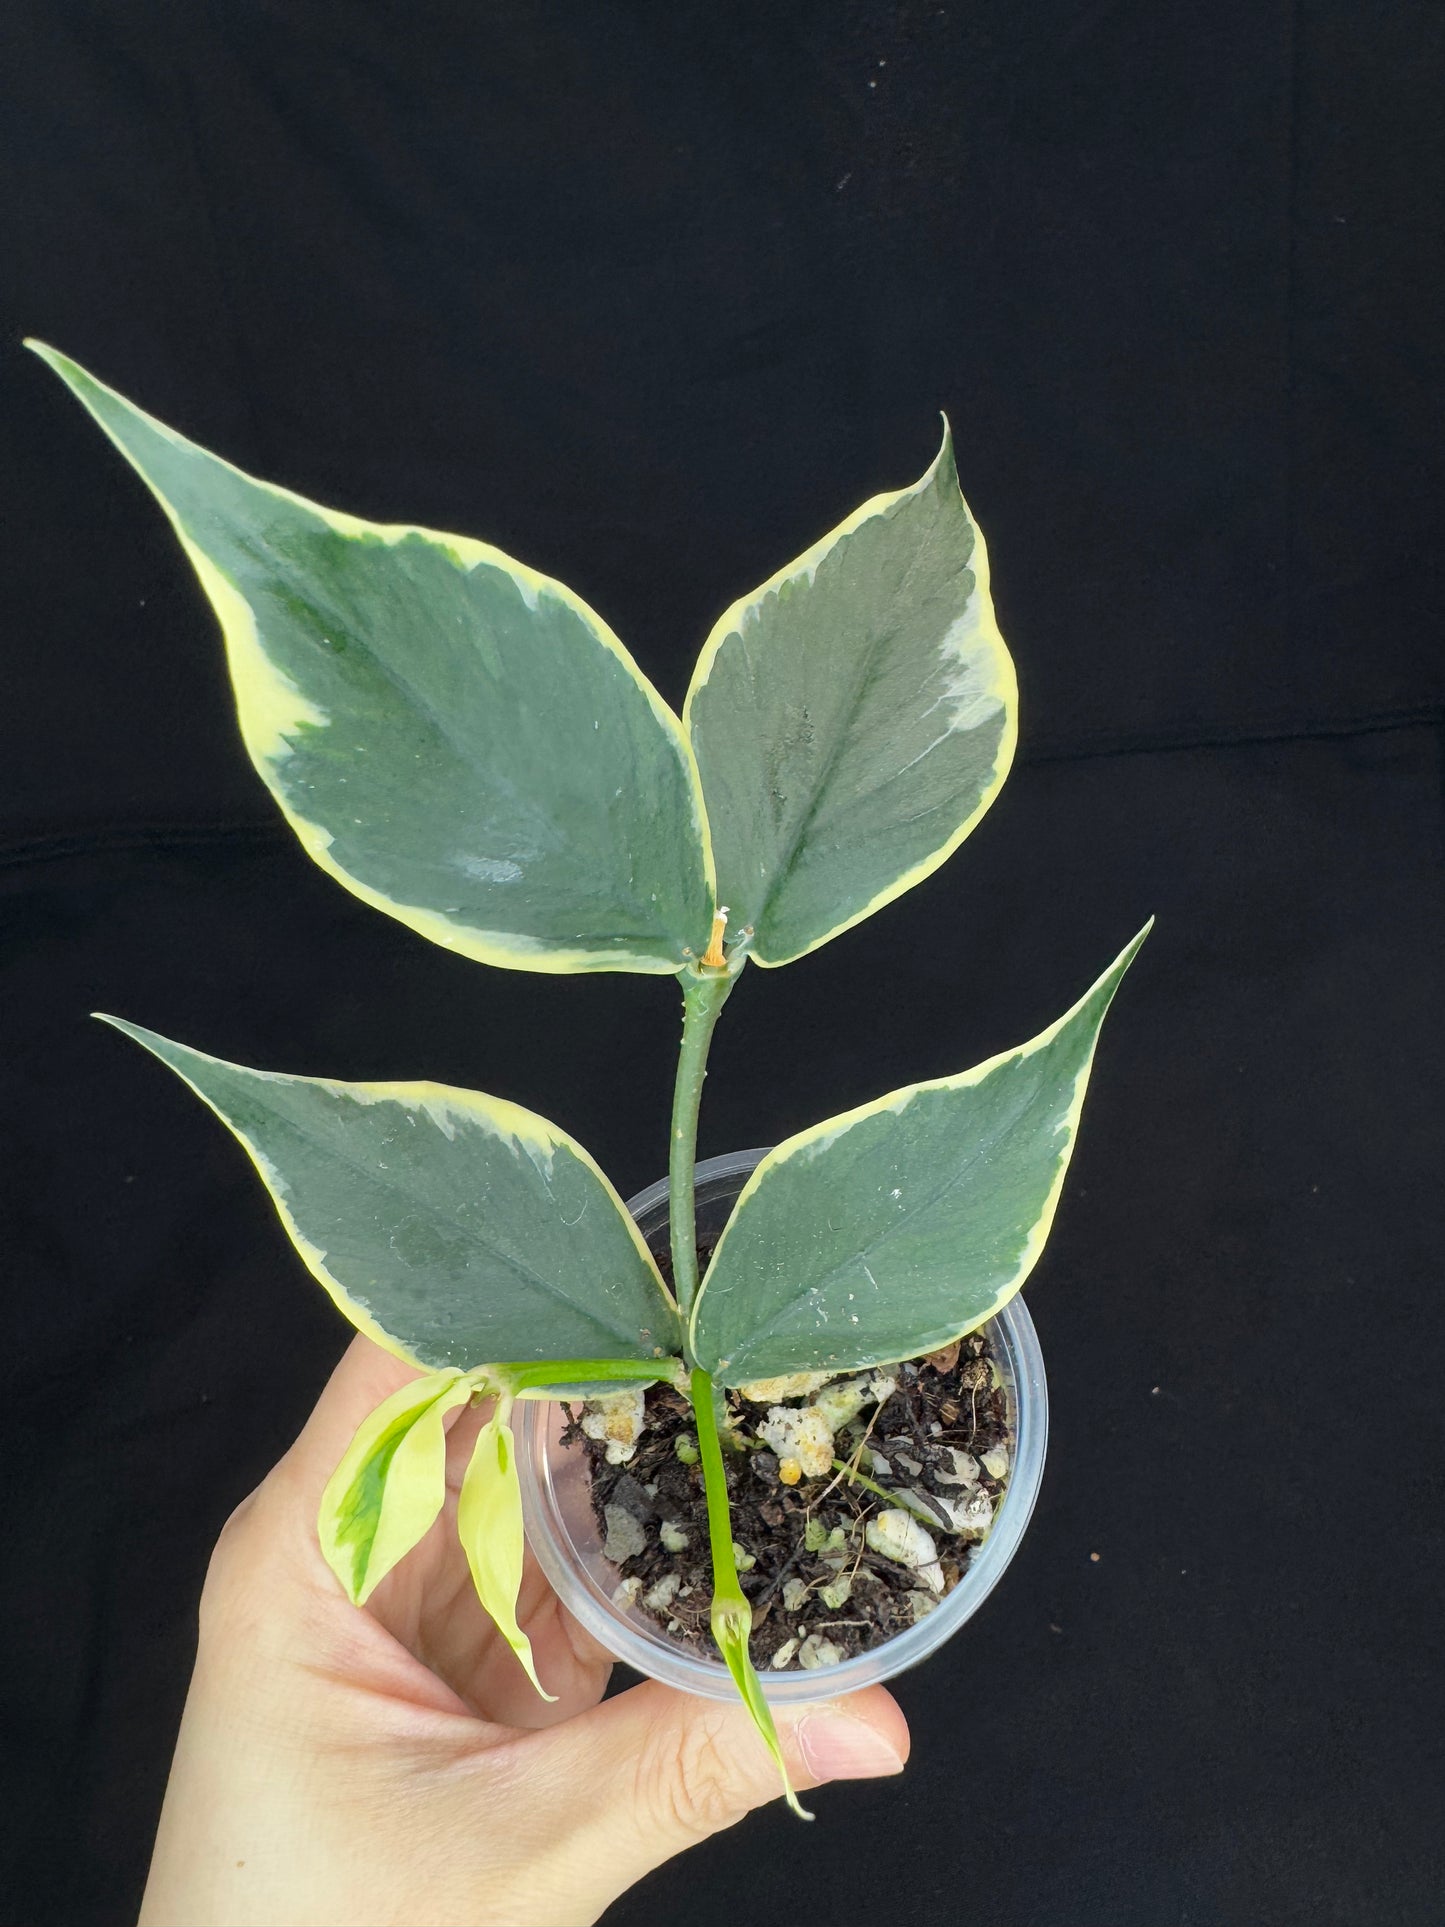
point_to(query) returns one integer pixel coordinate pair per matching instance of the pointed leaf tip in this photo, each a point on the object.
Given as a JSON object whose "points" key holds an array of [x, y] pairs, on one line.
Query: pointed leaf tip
{"points": [[376, 1185], [489, 1524], [898, 1227], [732, 1639], [454, 737], [854, 718]]}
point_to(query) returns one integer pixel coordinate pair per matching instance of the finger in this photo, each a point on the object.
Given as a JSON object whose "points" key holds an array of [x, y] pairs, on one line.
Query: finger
{"points": [[654, 1770], [489, 1677]]}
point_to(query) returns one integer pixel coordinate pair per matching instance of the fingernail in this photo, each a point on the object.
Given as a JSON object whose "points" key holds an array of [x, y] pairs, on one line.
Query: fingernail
{"points": [[839, 1748]]}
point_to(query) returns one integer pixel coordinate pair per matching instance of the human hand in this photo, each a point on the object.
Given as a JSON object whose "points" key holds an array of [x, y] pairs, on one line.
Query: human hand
{"points": [[393, 1767]]}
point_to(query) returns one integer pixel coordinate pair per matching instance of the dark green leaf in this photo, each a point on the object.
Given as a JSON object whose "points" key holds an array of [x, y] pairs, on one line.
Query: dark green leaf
{"points": [[893, 1229], [453, 1228], [853, 718], [459, 740]]}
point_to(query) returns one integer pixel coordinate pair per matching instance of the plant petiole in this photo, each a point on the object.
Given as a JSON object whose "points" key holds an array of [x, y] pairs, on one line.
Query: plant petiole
{"points": [[732, 1616], [704, 992], [517, 1380]]}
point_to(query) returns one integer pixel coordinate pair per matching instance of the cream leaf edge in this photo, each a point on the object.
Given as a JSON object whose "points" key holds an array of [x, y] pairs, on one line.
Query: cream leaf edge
{"points": [[493, 1535], [494, 1114], [728, 626], [818, 1135], [267, 700], [413, 1490]]}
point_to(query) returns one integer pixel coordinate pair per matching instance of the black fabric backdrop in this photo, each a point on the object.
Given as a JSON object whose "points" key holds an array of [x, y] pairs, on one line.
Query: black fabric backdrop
{"points": [[651, 295]]}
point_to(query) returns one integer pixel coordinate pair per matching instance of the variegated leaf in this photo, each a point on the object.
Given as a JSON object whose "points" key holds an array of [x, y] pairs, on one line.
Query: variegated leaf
{"points": [[853, 718], [459, 740], [489, 1523], [388, 1489], [454, 1229], [895, 1228]]}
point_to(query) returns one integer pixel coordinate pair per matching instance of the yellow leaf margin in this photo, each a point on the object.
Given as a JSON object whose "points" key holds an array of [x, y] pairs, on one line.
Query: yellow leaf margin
{"points": [[386, 1493], [489, 1523], [730, 623], [269, 704]]}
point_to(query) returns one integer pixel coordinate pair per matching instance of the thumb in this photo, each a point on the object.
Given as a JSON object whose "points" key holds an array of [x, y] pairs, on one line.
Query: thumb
{"points": [[656, 1770]]}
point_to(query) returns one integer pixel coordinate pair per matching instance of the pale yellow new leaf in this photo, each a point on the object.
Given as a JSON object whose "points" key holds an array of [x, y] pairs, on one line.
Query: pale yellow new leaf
{"points": [[489, 1520], [391, 1484]]}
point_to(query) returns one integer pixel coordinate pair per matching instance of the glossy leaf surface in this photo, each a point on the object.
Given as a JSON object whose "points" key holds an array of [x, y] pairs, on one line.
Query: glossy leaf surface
{"points": [[853, 718], [388, 1489], [452, 1228], [895, 1228], [459, 740], [489, 1522]]}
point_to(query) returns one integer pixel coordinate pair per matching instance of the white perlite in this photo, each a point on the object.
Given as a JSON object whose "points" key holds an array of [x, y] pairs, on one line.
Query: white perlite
{"points": [[795, 1591], [995, 1463], [626, 1593], [846, 1399], [783, 1655], [616, 1417], [767, 1391], [817, 1651], [673, 1536], [663, 1593], [965, 1469], [900, 1537], [840, 1402], [625, 1536], [802, 1435], [971, 1511]]}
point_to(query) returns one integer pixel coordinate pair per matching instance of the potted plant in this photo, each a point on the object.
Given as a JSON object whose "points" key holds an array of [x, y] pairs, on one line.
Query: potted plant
{"points": [[465, 745]]}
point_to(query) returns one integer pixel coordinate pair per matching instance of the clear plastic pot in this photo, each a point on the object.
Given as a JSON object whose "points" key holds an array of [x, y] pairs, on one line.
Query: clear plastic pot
{"points": [[564, 1534]]}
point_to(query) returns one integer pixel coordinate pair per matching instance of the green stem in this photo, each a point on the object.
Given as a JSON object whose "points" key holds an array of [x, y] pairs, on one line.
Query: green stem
{"points": [[704, 992], [705, 989], [726, 1590], [586, 1371], [732, 1616]]}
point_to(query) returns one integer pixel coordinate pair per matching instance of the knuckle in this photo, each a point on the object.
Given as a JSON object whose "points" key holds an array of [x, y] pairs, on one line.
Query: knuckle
{"points": [[693, 1776], [232, 1570]]}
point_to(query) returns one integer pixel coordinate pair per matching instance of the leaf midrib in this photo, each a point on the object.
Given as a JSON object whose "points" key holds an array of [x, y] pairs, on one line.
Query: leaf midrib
{"points": [[841, 741], [955, 1177], [519, 1268], [464, 752]]}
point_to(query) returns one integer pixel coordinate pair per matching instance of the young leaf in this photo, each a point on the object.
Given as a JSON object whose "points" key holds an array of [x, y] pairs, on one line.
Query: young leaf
{"points": [[489, 1522], [895, 1228], [459, 740], [853, 718], [390, 1486], [731, 1633], [452, 1228]]}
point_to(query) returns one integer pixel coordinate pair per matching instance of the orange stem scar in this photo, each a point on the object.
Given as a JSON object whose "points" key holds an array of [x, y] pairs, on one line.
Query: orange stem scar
{"points": [[713, 955]]}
